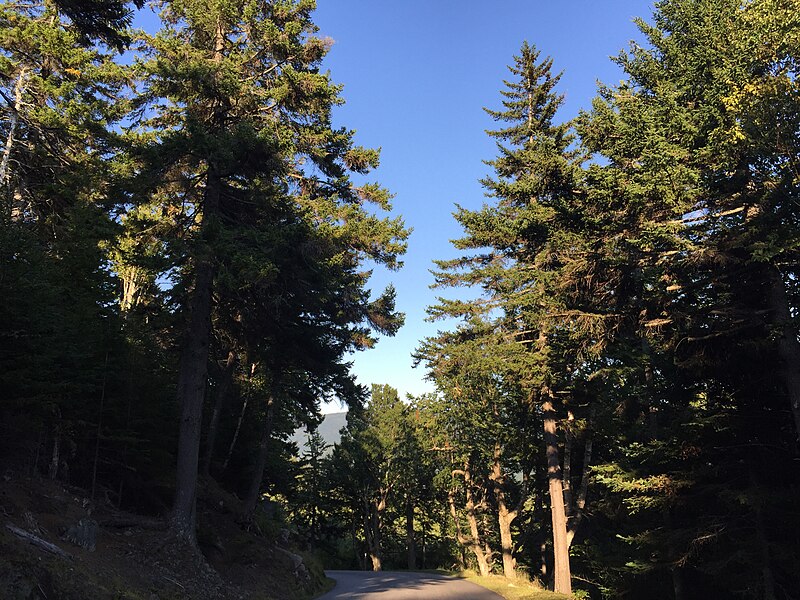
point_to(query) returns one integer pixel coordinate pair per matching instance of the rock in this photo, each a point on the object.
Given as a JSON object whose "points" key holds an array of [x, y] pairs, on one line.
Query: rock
{"points": [[298, 566], [83, 534], [283, 536]]}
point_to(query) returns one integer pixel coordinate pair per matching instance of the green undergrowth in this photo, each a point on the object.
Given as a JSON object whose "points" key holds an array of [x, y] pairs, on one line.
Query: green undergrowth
{"points": [[519, 589]]}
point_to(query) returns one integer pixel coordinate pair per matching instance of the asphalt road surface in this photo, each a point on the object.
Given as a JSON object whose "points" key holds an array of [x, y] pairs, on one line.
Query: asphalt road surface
{"points": [[386, 585]]}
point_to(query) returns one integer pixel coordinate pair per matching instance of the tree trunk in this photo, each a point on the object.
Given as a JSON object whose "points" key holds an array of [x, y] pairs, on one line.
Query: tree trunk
{"points": [[254, 492], [464, 541], [422, 539], [19, 89], [354, 541], [788, 346], [487, 549], [410, 542], [375, 548], [219, 402], [56, 456], [372, 530], [239, 421], [472, 520], [539, 510], [504, 521], [569, 439], [561, 570], [505, 516], [767, 576], [193, 369], [574, 522], [543, 555], [367, 530]]}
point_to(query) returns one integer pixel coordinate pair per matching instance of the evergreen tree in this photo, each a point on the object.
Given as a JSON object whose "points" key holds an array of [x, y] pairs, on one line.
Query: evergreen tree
{"points": [[702, 195], [241, 115], [105, 20], [371, 462], [60, 100], [525, 274]]}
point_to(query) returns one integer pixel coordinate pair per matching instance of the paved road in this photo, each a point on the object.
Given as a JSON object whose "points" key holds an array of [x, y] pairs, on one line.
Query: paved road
{"points": [[386, 585]]}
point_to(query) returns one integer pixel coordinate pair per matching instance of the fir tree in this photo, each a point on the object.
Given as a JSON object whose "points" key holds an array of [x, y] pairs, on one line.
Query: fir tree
{"points": [[242, 136]]}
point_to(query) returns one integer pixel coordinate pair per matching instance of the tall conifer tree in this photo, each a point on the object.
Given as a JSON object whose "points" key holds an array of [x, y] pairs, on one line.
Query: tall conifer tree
{"points": [[242, 115], [524, 308]]}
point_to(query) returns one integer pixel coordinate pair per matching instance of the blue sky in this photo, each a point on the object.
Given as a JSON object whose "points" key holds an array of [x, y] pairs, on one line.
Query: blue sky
{"points": [[416, 75]]}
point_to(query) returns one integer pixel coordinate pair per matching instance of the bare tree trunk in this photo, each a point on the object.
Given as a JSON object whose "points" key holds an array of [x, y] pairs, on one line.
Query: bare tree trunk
{"points": [[375, 546], [472, 520], [543, 561], [569, 439], [422, 538], [253, 493], [56, 456], [460, 537], [768, 578], [574, 522], [355, 543], [788, 346], [539, 512], [506, 543], [193, 369], [373, 510], [473, 541], [367, 529], [487, 549], [239, 422], [19, 89], [410, 542], [561, 569], [133, 278], [221, 397], [505, 515]]}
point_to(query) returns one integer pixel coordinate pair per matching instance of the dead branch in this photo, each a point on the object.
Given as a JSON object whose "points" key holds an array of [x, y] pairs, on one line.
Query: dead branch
{"points": [[37, 541]]}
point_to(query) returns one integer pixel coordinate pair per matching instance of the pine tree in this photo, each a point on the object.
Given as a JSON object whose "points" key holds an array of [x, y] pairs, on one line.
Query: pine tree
{"points": [[701, 193], [531, 239], [241, 117], [105, 20], [61, 101]]}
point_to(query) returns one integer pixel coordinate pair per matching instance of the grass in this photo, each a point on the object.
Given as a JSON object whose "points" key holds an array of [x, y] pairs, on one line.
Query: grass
{"points": [[519, 589]]}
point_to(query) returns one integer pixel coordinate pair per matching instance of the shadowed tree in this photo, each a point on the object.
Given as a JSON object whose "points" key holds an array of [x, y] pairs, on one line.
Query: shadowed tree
{"points": [[238, 114]]}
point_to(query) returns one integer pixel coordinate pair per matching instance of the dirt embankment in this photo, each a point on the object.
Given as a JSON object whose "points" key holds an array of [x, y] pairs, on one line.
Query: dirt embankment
{"points": [[133, 558]]}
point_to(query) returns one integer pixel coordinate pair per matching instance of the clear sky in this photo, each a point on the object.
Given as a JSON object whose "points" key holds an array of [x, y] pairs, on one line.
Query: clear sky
{"points": [[416, 75]]}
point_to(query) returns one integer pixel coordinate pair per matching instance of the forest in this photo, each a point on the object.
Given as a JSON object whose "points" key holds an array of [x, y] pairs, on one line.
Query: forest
{"points": [[186, 246]]}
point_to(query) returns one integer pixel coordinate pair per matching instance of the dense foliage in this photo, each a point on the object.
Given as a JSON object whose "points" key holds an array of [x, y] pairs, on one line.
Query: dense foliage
{"points": [[636, 276], [183, 243]]}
